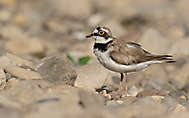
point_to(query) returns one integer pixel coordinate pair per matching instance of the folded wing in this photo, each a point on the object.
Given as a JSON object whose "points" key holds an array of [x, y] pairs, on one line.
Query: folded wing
{"points": [[132, 53]]}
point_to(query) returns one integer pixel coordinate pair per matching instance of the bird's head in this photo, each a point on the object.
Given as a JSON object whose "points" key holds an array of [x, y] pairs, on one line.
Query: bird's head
{"points": [[101, 35]]}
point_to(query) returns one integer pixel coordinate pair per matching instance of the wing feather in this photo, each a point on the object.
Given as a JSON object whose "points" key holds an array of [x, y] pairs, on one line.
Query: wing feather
{"points": [[131, 53]]}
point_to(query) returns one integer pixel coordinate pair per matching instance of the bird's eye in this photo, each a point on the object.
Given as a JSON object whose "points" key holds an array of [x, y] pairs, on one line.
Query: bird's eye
{"points": [[101, 32]]}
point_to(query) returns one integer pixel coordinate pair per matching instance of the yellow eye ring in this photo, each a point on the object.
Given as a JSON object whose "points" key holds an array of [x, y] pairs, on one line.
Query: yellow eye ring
{"points": [[101, 32]]}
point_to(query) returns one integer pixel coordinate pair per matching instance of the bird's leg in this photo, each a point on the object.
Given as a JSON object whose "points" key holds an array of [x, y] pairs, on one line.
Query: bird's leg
{"points": [[121, 81], [126, 84]]}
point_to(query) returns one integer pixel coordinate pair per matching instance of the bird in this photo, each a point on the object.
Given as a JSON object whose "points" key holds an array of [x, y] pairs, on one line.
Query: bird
{"points": [[122, 57]]}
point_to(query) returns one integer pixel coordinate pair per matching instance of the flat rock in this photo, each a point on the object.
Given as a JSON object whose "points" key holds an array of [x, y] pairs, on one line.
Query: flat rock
{"points": [[57, 70], [19, 61], [91, 76], [22, 73]]}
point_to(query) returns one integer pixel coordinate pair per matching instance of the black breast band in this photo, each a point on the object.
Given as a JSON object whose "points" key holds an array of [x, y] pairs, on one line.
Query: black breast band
{"points": [[102, 47]]}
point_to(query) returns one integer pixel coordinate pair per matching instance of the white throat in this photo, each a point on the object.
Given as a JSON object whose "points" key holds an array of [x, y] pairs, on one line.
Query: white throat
{"points": [[102, 40]]}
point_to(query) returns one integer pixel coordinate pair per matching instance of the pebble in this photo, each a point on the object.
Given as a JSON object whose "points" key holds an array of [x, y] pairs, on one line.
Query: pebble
{"points": [[2, 79], [179, 108], [158, 99]]}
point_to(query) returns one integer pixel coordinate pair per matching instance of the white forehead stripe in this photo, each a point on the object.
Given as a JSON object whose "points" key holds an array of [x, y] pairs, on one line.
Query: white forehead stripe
{"points": [[95, 31]]}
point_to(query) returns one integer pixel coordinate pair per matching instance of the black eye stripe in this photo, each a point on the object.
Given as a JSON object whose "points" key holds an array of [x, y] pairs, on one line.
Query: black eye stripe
{"points": [[95, 34]]}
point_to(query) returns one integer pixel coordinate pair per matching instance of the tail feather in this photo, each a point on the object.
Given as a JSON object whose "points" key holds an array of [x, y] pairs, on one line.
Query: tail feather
{"points": [[171, 61], [164, 58]]}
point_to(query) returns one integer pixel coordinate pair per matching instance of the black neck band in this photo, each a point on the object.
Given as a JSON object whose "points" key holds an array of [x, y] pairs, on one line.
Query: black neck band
{"points": [[102, 46]]}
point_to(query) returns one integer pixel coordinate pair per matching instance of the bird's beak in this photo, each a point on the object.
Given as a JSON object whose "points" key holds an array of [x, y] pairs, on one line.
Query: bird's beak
{"points": [[90, 35]]}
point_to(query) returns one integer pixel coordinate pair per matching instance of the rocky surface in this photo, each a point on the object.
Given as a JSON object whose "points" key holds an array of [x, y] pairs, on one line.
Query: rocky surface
{"points": [[45, 70], [57, 70]]}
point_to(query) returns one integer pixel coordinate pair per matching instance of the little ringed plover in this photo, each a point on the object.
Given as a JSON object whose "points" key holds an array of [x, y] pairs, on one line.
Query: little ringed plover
{"points": [[121, 56]]}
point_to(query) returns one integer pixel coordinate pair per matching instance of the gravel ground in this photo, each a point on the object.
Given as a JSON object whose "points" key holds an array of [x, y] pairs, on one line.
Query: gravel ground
{"points": [[47, 68]]}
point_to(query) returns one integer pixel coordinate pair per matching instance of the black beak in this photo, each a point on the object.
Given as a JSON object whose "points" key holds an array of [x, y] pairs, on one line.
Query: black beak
{"points": [[90, 35]]}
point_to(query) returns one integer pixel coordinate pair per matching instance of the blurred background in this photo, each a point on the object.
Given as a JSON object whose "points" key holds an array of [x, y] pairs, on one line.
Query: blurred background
{"points": [[45, 27], [34, 29]]}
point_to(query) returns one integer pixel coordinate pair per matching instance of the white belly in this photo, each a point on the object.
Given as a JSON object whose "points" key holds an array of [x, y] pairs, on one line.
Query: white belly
{"points": [[107, 62]]}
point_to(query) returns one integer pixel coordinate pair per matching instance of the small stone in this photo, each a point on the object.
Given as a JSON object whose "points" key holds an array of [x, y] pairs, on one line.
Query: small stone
{"points": [[133, 91], [106, 95], [179, 108], [158, 99], [57, 70], [22, 73], [11, 82], [119, 101], [2, 79], [183, 97]]}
